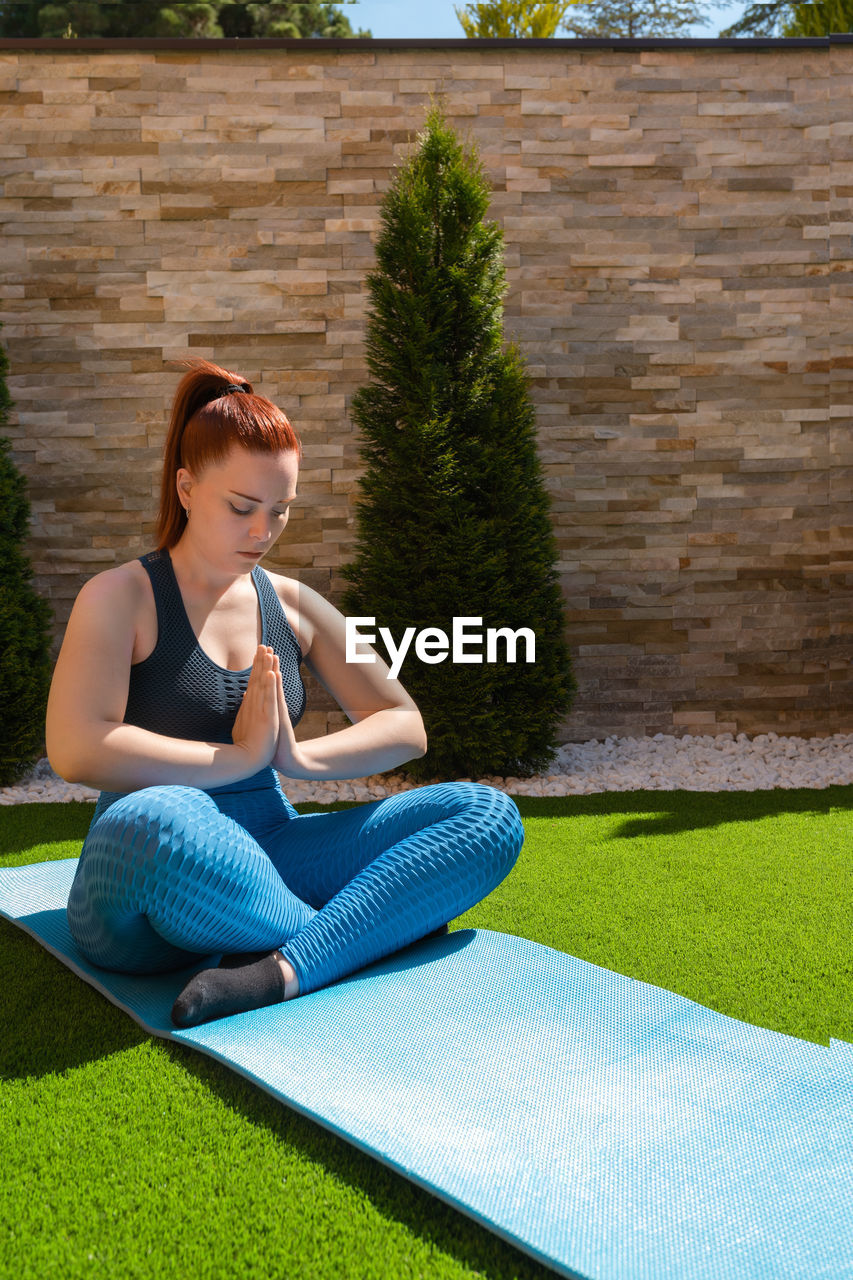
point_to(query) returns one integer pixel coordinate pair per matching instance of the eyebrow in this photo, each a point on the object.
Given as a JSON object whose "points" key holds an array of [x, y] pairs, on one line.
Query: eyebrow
{"points": [[281, 502]]}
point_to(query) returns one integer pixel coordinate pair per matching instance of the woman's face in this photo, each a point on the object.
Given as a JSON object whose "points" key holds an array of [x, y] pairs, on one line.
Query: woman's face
{"points": [[238, 507]]}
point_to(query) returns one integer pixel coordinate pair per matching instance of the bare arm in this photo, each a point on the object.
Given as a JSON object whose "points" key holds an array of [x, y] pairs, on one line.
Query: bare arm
{"points": [[387, 728], [86, 739]]}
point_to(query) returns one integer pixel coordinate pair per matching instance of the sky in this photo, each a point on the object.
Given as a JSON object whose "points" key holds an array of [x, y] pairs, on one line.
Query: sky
{"points": [[401, 19]]}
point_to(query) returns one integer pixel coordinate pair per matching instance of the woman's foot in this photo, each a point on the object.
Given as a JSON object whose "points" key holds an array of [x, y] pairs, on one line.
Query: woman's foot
{"points": [[217, 993]]}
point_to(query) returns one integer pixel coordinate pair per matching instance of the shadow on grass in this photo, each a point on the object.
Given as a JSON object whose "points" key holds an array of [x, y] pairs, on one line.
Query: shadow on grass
{"points": [[29, 826], [52, 1019], [672, 812], [24, 827]]}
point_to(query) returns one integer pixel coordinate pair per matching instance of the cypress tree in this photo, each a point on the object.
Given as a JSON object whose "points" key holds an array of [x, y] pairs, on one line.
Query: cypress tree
{"points": [[453, 519], [25, 620]]}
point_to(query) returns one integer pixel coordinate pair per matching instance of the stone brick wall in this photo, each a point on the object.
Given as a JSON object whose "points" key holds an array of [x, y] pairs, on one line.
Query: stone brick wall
{"points": [[677, 234]]}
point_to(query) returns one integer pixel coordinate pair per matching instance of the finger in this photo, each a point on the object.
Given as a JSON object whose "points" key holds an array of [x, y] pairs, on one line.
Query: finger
{"points": [[271, 711], [276, 668], [260, 663]]}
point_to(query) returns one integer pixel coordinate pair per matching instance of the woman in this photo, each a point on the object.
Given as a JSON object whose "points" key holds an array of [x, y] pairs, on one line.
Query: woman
{"points": [[176, 693]]}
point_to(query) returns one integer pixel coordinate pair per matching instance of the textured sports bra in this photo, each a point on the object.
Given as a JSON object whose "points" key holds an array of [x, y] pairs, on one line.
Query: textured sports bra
{"points": [[182, 693]]}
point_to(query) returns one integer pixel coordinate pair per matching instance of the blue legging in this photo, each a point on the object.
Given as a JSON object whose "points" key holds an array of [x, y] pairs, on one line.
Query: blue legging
{"points": [[170, 874]]}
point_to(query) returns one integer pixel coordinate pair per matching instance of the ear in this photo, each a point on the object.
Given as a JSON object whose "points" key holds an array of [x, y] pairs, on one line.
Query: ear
{"points": [[184, 481]]}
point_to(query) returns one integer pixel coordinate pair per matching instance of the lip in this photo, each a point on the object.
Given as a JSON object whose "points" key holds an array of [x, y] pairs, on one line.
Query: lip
{"points": [[252, 555]]}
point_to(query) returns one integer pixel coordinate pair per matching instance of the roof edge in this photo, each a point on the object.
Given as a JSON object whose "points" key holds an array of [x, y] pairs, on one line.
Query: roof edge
{"points": [[196, 44]]}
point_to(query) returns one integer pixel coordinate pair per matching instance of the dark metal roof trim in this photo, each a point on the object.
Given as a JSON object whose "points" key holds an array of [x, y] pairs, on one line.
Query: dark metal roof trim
{"points": [[192, 44]]}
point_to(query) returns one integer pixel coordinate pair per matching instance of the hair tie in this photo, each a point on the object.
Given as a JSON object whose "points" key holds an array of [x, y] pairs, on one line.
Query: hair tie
{"points": [[223, 391]]}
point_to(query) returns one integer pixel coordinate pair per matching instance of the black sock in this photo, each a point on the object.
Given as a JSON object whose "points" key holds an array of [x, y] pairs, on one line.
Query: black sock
{"points": [[216, 993], [238, 958]]}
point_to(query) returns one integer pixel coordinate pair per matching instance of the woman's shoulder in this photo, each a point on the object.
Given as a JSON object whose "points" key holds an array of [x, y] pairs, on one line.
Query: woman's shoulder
{"points": [[120, 582], [304, 607], [104, 623], [287, 589], [120, 596]]}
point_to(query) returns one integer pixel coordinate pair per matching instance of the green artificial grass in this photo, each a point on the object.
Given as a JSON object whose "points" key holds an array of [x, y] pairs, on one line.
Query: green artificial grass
{"points": [[127, 1156]]}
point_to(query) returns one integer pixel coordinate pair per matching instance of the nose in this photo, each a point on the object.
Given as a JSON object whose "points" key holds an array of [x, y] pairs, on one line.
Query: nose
{"points": [[260, 528]]}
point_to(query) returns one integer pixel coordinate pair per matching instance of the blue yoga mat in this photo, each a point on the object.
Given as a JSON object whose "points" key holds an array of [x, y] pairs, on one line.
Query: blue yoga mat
{"points": [[609, 1128]]}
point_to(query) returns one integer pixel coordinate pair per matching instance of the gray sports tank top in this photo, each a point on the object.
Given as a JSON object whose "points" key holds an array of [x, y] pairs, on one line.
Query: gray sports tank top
{"points": [[182, 693]]}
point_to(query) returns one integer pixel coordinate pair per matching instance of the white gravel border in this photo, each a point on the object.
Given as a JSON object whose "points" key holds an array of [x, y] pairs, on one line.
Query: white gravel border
{"points": [[661, 763]]}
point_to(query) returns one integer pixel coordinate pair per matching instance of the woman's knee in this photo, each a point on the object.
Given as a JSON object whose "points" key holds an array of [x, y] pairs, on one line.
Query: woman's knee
{"points": [[120, 878], [505, 819], [494, 817], [165, 805], [161, 817], [496, 805]]}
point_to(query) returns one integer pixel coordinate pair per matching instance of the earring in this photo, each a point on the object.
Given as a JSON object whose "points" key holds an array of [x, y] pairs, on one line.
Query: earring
{"points": [[187, 512]]}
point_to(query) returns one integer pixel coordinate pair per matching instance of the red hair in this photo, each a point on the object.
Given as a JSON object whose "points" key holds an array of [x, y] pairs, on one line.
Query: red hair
{"points": [[205, 423]]}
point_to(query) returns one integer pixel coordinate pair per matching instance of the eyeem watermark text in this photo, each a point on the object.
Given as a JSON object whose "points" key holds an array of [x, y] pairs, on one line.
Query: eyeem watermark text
{"points": [[432, 644]]}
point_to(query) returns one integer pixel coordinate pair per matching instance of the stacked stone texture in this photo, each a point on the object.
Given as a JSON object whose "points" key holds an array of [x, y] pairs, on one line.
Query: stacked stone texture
{"points": [[677, 234]]}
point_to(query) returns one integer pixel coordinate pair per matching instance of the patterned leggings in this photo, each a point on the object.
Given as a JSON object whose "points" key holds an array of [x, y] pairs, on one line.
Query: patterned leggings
{"points": [[170, 874]]}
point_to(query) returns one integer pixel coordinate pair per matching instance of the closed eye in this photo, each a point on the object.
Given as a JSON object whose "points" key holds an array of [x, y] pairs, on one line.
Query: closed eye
{"points": [[238, 511]]}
